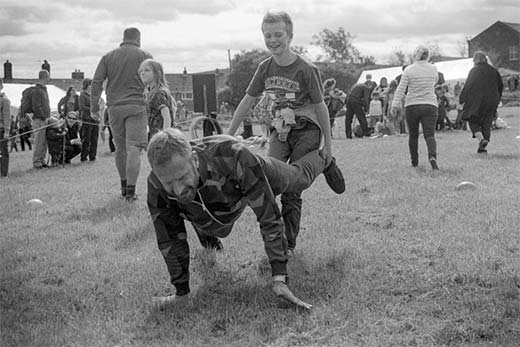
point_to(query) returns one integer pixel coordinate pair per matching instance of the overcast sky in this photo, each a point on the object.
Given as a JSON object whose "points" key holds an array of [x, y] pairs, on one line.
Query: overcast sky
{"points": [[197, 34]]}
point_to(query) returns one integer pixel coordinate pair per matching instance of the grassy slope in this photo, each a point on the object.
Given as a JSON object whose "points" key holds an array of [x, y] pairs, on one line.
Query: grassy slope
{"points": [[401, 258]]}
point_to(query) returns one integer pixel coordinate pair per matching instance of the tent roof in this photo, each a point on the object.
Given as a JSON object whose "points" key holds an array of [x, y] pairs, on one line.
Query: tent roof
{"points": [[452, 70], [14, 93]]}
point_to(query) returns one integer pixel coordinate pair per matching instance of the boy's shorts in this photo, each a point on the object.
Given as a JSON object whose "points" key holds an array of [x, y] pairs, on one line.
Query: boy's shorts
{"points": [[128, 123]]}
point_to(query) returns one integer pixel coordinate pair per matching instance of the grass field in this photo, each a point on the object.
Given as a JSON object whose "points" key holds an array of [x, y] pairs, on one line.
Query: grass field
{"points": [[400, 259]]}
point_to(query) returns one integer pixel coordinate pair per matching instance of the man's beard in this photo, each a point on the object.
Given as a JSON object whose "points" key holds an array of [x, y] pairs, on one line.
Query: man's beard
{"points": [[187, 195]]}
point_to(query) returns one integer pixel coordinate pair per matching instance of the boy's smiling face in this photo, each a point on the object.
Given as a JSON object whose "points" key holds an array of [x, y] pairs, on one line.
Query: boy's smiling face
{"points": [[276, 38]]}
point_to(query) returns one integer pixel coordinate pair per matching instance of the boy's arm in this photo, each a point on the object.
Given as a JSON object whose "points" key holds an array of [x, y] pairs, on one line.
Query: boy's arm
{"points": [[322, 114], [241, 112]]}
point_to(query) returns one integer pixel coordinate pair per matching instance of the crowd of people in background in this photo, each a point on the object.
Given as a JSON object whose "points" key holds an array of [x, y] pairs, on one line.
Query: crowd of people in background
{"points": [[369, 102]]}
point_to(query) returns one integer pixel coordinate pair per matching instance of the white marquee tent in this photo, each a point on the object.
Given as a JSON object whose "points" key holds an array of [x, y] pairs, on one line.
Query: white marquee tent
{"points": [[14, 93], [453, 71]]}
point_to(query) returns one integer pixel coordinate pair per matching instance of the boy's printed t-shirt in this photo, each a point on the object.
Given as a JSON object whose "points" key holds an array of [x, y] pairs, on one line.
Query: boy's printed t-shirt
{"points": [[297, 86]]}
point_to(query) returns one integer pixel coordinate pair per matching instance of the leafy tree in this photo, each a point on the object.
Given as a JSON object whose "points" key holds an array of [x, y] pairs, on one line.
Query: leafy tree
{"points": [[367, 60], [435, 50], [299, 50], [338, 45], [345, 75], [243, 67], [224, 95], [462, 47], [398, 57]]}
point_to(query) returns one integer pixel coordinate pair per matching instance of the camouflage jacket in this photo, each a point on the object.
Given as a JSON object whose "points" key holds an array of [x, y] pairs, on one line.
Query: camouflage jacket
{"points": [[231, 178]]}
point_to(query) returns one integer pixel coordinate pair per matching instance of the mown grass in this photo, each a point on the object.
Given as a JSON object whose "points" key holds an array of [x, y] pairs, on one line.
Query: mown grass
{"points": [[400, 259]]}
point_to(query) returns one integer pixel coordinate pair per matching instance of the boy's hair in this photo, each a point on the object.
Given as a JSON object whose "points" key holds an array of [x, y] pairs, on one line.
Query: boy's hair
{"points": [[439, 87], [166, 144], [158, 72], [277, 17]]}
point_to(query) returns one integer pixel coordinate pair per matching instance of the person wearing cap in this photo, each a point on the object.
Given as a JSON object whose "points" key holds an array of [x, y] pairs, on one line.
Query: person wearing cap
{"points": [[89, 126], [126, 106], [418, 81], [480, 97], [210, 183], [5, 127]]}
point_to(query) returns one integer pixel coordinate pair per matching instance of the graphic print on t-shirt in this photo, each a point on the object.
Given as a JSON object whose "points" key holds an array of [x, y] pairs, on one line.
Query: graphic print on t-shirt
{"points": [[282, 91]]}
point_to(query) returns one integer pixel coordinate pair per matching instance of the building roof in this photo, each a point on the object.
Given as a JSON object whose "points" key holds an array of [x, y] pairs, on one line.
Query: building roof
{"points": [[515, 26]]}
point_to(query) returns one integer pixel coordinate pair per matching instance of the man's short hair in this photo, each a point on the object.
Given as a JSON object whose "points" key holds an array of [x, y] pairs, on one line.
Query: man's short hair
{"points": [[165, 145], [131, 34], [277, 17], [43, 74], [479, 57]]}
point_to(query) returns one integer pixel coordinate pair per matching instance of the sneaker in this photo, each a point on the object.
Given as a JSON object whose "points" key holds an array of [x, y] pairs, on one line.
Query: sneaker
{"points": [[334, 177], [131, 197], [482, 146], [433, 163]]}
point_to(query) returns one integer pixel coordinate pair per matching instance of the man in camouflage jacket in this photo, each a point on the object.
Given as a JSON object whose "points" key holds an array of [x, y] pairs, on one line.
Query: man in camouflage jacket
{"points": [[210, 184]]}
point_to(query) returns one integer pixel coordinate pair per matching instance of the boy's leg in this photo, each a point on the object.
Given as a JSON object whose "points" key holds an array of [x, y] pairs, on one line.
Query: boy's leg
{"points": [[299, 142]]}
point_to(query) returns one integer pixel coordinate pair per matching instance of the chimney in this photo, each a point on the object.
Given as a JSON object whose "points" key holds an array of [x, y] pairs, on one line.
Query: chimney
{"points": [[78, 75], [8, 71]]}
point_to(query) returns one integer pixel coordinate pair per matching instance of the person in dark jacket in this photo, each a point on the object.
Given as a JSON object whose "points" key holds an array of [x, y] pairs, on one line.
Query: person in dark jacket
{"points": [[480, 97], [357, 105], [90, 126], [41, 112], [210, 184], [69, 103]]}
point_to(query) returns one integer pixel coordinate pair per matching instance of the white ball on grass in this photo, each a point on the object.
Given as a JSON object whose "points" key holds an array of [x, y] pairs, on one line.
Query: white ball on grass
{"points": [[35, 203], [466, 185]]}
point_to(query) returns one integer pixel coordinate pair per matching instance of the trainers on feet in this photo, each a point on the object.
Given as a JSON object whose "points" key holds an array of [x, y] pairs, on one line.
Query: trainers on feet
{"points": [[433, 163], [131, 197], [334, 177], [482, 146]]}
